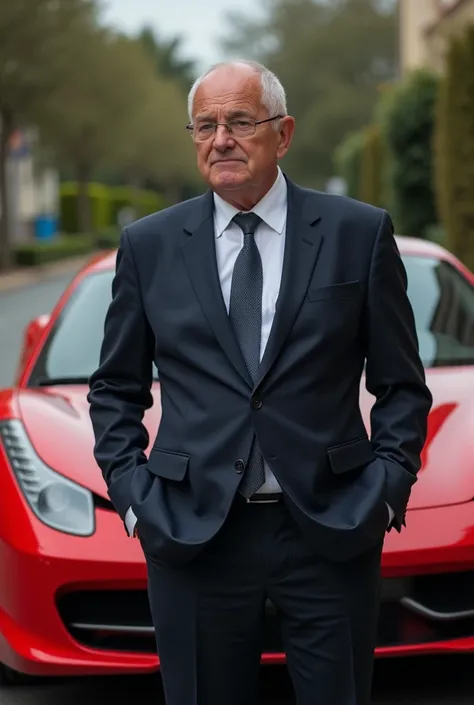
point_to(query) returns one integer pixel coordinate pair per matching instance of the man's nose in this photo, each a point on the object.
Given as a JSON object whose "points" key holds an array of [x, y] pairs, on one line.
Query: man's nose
{"points": [[223, 138]]}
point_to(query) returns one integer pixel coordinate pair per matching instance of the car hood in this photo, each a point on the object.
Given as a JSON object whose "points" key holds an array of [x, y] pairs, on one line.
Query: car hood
{"points": [[446, 476], [58, 424]]}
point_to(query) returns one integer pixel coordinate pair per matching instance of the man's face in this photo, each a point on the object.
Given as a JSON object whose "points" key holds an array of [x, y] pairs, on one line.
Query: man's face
{"points": [[228, 162]]}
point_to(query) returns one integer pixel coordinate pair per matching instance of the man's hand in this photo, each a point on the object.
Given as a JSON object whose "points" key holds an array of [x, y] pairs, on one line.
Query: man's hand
{"points": [[395, 375]]}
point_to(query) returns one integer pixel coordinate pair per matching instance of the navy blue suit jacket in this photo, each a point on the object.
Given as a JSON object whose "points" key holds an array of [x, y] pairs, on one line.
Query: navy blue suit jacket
{"points": [[342, 305]]}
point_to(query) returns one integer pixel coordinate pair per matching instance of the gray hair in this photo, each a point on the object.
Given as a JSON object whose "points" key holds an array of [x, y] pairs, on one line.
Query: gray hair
{"points": [[273, 93]]}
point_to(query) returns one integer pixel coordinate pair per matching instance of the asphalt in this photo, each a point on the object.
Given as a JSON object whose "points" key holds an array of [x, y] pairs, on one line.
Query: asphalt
{"points": [[20, 304], [434, 681]]}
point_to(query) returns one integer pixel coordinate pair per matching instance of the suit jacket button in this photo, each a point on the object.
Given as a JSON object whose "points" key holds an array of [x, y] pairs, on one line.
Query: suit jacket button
{"points": [[256, 403], [239, 466]]}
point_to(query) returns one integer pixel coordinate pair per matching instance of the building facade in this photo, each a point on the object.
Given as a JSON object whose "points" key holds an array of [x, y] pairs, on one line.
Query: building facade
{"points": [[32, 191], [425, 27]]}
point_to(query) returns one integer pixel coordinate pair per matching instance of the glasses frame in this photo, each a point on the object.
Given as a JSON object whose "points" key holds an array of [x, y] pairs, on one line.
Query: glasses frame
{"points": [[228, 125]]}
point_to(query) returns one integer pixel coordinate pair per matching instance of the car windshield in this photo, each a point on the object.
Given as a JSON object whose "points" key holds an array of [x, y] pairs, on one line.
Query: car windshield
{"points": [[71, 353], [443, 304], [442, 301]]}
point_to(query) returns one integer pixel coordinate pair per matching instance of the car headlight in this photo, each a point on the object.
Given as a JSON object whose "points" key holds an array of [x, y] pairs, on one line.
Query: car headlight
{"points": [[56, 501]]}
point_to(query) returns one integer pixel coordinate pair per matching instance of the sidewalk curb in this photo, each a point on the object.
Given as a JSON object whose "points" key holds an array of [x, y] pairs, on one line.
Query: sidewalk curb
{"points": [[26, 276]]}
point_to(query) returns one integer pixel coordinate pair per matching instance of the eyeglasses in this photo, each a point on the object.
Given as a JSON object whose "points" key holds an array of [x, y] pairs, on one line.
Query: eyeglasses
{"points": [[238, 127]]}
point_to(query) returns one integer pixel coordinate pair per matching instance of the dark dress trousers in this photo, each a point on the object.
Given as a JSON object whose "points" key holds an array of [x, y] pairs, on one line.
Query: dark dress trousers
{"points": [[212, 558]]}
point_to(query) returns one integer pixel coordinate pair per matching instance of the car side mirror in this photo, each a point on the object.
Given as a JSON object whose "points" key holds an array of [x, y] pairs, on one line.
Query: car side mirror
{"points": [[32, 335]]}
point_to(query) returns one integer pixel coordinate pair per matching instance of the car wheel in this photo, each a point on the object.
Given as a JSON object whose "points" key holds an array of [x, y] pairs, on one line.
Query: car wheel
{"points": [[10, 677]]}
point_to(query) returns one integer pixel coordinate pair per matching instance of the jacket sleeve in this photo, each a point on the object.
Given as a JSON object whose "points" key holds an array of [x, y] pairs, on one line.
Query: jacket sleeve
{"points": [[394, 372], [120, 389]]}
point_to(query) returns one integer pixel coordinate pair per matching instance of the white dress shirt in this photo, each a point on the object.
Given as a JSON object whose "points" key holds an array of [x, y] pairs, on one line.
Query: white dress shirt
{"points": [[270, 239]]}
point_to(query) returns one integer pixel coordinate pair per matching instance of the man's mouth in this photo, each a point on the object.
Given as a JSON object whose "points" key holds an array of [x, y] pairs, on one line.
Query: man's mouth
{"points": [[226, 161]]}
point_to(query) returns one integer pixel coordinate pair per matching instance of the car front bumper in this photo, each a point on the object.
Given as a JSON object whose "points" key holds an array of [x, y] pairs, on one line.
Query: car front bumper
{"points": [[78, 606]]}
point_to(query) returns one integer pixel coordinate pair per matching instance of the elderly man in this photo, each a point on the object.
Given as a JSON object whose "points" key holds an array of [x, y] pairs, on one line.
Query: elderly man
{"points": [[260, 302]]}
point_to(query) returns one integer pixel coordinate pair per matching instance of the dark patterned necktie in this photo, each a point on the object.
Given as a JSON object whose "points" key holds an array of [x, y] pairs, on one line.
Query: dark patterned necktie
{"points": [[245, 312]]}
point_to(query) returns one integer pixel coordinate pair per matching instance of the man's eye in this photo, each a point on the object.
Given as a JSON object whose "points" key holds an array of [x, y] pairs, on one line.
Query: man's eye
{"points": [[205, 127]]}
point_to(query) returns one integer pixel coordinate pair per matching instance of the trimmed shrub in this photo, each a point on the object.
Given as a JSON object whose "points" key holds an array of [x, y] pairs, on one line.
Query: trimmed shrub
{"points": [[141, 201], [406, 116], [100, 206], [348, 162], [38, 253], [454, 148], [371, 186], [106, 204]]}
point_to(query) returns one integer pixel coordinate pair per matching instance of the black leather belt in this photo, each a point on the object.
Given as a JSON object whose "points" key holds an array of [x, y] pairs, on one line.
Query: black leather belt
{"points": [[262, 498]]}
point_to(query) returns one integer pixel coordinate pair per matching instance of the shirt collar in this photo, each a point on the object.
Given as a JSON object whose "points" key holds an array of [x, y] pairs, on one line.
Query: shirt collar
{"points": [[271, 209]]}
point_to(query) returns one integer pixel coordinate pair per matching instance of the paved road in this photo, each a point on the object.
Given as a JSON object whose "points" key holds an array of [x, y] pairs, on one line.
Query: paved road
{"points": [[419, 682], [438, 681], [17, 308]]}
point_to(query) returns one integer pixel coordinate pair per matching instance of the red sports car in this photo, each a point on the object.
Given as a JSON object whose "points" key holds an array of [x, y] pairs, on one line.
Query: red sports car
{"points": [[73, 586]]}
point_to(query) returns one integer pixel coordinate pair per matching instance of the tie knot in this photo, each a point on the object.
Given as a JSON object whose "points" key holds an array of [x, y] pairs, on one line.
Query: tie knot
{"points": [[248, 222]]}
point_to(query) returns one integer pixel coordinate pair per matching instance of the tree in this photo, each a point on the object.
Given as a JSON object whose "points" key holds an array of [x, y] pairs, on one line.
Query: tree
{"points": [[161, 150], [166, 58], [406, 114], [94, 117], [35, 38], [454, 148], [331, 58]]}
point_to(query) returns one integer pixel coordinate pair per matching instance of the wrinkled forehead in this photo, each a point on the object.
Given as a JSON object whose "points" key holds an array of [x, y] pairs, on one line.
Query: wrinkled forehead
{"points": [[229, 91]]}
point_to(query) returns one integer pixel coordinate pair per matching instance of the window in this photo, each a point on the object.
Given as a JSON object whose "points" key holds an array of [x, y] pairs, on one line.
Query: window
{"points": [[442, 301], [443, 304], [73, 348]]}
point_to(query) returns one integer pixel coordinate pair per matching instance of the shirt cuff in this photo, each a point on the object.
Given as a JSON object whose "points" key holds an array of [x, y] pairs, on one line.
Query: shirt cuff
{"points": [[130, 522], [391, 514]]}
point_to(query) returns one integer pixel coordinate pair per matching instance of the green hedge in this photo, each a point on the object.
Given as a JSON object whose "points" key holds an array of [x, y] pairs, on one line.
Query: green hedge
{"points": [[106, 203], [107, 239], [348, 161], [100, 207], [39, 253], [371, 188], [143, 202], [406, 115], [454, 148], [361, 160]]}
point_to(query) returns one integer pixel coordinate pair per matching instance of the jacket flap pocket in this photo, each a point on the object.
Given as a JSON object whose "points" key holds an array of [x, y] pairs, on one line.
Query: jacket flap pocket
{"points": [[168, 464], [334, 291], [350, 455]]}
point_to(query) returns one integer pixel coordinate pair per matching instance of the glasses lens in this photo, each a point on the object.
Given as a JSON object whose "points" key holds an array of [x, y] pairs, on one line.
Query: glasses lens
{"points": [[239, 128], [242, 128], [202, 131]]}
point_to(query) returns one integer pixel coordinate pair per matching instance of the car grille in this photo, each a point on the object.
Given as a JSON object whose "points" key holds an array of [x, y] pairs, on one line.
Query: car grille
{"points": [[120, 620], [426, 608], [413, 610]]}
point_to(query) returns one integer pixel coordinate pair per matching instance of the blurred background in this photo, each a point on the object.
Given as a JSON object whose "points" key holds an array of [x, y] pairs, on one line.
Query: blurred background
{"points": [[93, 109]]}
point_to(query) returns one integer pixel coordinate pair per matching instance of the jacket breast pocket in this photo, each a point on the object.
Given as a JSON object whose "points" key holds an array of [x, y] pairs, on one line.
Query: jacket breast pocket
{"points": [[350, 455], [168, 464], [335, 291]]}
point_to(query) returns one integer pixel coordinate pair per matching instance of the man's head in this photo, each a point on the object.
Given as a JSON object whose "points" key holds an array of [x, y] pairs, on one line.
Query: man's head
{"points": [[239, 165]]}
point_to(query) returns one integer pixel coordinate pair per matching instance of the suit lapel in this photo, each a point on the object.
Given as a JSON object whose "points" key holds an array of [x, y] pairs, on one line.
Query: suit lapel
{"points": [[302, 246], [199, 254]]}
